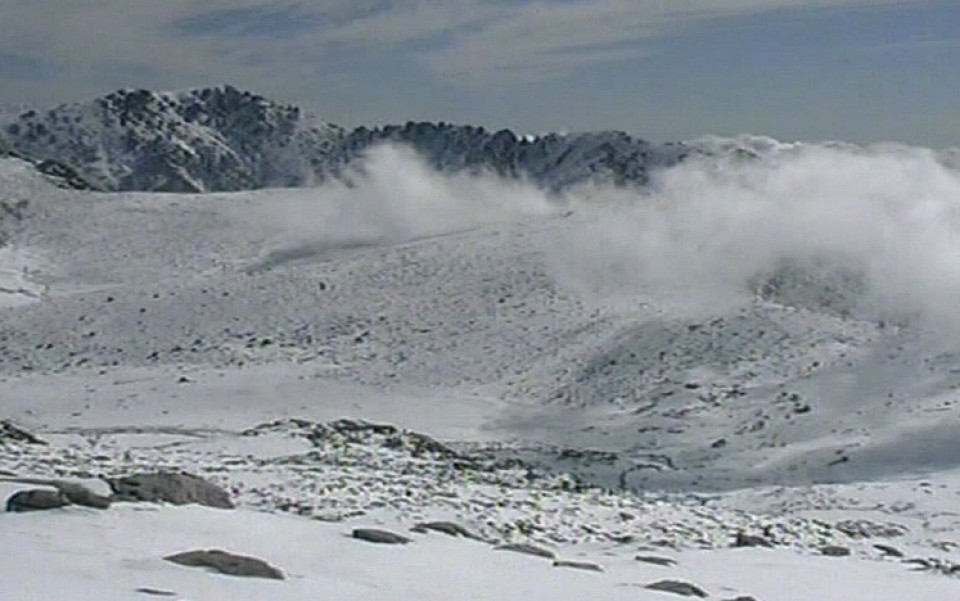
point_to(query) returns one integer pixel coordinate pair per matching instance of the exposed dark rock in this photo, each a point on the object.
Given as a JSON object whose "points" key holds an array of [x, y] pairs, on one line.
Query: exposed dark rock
{"points": [[9, 432], [527, 549], [37, 499], [383, 537], [227, 563], [578, 565], [167, 487], [155, 592], [888, 551], [656, 560], [75, 493], [749, 540], [834, 551], [677, 587]]}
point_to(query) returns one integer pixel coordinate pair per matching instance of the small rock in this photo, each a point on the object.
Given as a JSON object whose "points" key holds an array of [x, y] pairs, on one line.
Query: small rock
{"points": [[656, 560], [227, 563], [383, 537], [145, 590], [749, 540], [37, 499], [527, 549], [677, 587], [834, 551], [168, 487], [577, 565], [448, 528], [888, 551]]}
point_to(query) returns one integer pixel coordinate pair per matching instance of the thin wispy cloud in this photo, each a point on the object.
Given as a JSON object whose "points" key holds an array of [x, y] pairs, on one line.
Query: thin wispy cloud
{"points": [[298, 50]]}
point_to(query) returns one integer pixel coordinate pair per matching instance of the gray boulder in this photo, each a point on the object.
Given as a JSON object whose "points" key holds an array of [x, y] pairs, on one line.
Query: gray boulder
{"points": [[167, 487], [383, 537], [227, 563], [37, 499], [75, 493], [678, 587]]}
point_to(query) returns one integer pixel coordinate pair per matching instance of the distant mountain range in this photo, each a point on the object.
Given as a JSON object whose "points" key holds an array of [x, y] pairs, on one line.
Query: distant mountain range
{"points": [[222, 139]]}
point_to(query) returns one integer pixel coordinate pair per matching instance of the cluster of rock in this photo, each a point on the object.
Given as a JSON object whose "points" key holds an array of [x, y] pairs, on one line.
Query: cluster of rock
{"points": [[158, 487]]}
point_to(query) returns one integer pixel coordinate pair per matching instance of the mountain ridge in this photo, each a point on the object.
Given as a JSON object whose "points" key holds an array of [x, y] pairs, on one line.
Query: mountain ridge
{"points": [[224, 139]]}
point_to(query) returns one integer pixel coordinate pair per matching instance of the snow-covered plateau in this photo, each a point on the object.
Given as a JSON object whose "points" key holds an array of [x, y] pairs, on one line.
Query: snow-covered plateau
{"points": [[738, 383]]}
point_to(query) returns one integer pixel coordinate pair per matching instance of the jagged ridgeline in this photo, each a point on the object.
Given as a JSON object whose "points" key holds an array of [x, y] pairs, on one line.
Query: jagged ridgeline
{"points": [[222, 139]]}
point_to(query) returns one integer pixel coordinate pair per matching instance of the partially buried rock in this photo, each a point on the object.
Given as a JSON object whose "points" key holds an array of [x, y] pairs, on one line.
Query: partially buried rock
{"points": [[382, 537], [527, 549], [677, 587], [227, 563], [37, 499], [834, 551], [577, 565], [168, 487], [9, 432], [75, 493], [448, 528], [657, 560], [750, 540], [888, 551]]}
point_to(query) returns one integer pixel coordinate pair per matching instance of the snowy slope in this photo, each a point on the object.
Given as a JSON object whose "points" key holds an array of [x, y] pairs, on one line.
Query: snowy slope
{"points": [[617, 373]]}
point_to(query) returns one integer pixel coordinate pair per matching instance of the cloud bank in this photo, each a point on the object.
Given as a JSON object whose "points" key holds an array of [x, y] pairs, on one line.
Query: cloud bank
{"points": [[709, 234], [887, 218]]}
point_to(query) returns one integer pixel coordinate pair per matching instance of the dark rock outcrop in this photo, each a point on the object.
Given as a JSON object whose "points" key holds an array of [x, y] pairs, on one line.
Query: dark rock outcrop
{"points": [[12, 433], [227, 563]]}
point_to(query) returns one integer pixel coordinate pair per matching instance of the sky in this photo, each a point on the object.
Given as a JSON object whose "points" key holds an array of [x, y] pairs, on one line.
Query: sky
{"points": [[856, 70]]}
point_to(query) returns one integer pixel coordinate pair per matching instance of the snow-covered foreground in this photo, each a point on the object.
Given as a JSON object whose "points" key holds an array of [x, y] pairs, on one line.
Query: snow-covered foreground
{"points": [[336, 368]]}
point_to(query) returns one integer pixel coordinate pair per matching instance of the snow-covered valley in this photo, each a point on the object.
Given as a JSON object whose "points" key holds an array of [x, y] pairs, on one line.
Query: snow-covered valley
{"points": [[537, 370]]}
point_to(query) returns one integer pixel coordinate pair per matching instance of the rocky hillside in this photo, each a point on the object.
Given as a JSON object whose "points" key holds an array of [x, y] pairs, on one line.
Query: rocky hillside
{"points": [[221, 139]]}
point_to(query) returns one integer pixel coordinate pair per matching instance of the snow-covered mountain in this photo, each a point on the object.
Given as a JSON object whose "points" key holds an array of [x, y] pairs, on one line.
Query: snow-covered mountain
{"points": [[221, 139], [209, 139], [627, 387]]}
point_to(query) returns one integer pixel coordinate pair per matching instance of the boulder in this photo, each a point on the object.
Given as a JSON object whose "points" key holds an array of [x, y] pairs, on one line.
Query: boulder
{"points": [[888, 551], [168, 487], [677, 587], [383, 537], [75, 493], [36, 499], [227, 563]]}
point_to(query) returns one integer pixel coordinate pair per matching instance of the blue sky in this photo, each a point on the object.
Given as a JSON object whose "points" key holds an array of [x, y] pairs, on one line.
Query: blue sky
{"points": [[858, 70]]}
